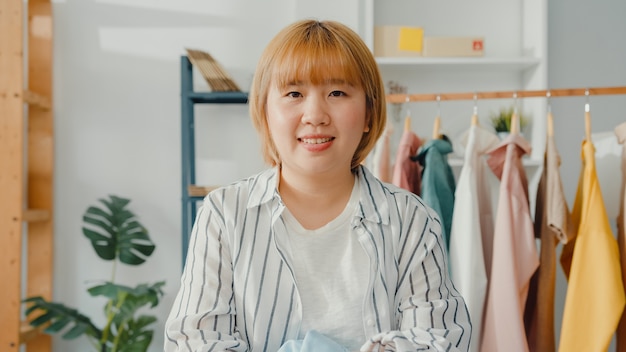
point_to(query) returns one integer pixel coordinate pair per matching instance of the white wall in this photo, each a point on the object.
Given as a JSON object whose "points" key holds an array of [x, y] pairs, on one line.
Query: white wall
{"points": [[117, 110]]}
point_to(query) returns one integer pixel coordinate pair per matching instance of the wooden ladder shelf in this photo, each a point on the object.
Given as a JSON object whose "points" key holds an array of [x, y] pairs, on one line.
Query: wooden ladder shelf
{"points": [[26, 167]]}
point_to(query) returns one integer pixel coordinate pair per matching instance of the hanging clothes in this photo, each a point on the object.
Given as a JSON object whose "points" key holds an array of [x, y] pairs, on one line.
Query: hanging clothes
{"points": [[595, 295], [553, 224], [472, 225], [620, 133], [406, 172], [514, 255], [438, 183]]}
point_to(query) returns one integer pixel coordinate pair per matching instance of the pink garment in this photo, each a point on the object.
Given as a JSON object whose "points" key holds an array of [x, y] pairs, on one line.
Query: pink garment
{"points": [[514, 256], [406, 172]]}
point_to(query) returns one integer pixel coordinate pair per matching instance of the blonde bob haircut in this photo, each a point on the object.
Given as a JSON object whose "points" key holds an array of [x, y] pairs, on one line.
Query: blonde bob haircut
{"points": [[310, 50]]}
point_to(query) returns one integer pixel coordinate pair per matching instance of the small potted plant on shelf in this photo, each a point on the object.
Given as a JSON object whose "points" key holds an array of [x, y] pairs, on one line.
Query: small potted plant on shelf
{"points": [[116, 235], [501, 121]]}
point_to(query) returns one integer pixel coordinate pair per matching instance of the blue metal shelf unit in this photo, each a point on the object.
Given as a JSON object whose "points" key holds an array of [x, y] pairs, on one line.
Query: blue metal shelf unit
{"points": [[188, 99]]}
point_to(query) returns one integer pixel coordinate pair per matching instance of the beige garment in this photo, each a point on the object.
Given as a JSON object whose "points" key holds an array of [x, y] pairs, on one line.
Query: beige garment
{"points": [[514, 256], [620, 132], [553, 223]]}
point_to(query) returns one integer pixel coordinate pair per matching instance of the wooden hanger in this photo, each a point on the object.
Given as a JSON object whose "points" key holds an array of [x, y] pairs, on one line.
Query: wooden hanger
{"points": [[587, 118], [407, 119], [514, 128], [474, 121], [514, 123], [587, 123], [437, 122], [550, 119], [550, 124], [436, 134]]}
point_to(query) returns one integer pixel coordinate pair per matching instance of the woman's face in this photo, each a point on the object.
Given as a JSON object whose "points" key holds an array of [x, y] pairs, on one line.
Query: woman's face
{"points": [[316, 128]]}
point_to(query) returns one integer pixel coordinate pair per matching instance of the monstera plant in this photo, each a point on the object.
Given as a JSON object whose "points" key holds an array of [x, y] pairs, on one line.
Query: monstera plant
{"points": [[116, 235]]}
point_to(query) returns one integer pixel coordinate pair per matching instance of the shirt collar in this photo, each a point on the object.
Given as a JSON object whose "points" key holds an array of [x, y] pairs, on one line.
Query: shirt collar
{"points": [[263, 188], [373, 204], [372, 198]]}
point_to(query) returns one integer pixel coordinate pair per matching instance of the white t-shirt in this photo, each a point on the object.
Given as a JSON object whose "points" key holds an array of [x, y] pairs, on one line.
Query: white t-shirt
{"points": [[331, 271]]}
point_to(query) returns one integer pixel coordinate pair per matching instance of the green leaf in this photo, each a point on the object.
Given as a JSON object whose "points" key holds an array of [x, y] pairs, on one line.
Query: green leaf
{"points": [[58, 325], [101, 244], [134, 298], [75, 332], [59, 316], [115, 233], [136, 336]]}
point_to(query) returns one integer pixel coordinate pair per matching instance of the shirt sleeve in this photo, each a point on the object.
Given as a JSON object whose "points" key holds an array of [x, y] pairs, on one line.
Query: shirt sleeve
{"points": [[202, 317], [433, 315]]}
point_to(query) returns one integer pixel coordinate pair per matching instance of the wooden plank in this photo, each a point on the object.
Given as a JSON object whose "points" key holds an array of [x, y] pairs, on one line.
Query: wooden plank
{"points": [[36, 215], [40, 167], [37, 100], [28, 333], [199, 191], [11, 170]]}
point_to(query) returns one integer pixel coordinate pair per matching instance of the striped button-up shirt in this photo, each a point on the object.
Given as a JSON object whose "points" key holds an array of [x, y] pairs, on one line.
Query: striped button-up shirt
{"points": [[238, 290]]}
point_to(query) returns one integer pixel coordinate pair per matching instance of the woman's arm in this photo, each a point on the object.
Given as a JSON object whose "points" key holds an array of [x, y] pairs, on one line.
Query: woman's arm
{"points": [[202, 317], [433, 315]]}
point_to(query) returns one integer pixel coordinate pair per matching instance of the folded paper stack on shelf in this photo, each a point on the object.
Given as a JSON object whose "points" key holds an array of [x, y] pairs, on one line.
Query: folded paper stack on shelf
{"points": [[215, 75]]}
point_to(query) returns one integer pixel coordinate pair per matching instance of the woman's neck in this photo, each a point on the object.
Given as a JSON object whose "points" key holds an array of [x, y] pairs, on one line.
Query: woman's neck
{"points": [[316, 200]]}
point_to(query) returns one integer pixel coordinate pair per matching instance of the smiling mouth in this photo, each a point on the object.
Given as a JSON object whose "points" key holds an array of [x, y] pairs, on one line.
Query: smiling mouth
{"points": [[315, 140]]}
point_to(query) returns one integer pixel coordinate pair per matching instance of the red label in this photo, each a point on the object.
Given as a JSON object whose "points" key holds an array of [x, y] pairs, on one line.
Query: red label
{"points": [[477, 45]]}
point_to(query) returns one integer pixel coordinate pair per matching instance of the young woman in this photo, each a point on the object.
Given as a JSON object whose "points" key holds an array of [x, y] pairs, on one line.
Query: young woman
{"points": [[316, 244]]}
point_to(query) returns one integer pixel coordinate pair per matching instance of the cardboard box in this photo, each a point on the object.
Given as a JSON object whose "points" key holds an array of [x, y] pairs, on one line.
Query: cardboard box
{"points": [[398, 41], [453, 46]]}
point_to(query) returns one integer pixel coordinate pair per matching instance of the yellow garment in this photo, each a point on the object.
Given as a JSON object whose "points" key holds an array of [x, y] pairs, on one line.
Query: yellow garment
{"points": [[595, 295]]}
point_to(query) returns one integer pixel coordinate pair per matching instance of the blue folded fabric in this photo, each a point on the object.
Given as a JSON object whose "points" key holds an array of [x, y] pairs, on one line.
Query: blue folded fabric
{"points": [[313, 342]]}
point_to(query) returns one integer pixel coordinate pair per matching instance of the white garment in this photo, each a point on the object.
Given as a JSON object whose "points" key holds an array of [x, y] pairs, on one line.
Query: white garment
{"points": [[331, 275], [472, 220]]}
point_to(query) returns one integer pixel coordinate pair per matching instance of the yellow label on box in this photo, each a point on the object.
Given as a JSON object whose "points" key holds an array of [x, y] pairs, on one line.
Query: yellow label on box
{"points": [[410, 39]]}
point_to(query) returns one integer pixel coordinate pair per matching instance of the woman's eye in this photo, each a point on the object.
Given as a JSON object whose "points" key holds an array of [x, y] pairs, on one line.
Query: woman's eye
{"points": [[294, 94], [337, 93]]}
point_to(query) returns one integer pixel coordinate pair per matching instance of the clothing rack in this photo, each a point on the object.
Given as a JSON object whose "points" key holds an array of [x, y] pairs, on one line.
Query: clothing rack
{"points": [[548, 93]]}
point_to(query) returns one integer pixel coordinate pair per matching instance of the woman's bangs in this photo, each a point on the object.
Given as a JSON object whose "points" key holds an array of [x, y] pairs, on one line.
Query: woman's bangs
{"points": [[315, 65]]}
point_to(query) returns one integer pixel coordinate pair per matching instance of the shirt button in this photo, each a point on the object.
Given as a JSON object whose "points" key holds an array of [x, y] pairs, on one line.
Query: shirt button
{"points": [[370, 322]]}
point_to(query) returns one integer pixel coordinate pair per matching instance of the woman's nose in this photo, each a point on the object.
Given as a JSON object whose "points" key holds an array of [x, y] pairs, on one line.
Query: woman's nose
{"points": [[315, 112]]}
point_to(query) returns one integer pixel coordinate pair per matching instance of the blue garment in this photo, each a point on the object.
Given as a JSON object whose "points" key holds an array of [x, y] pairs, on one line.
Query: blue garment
{"points": [[238, 291], [438, 183], [313, 342]]}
